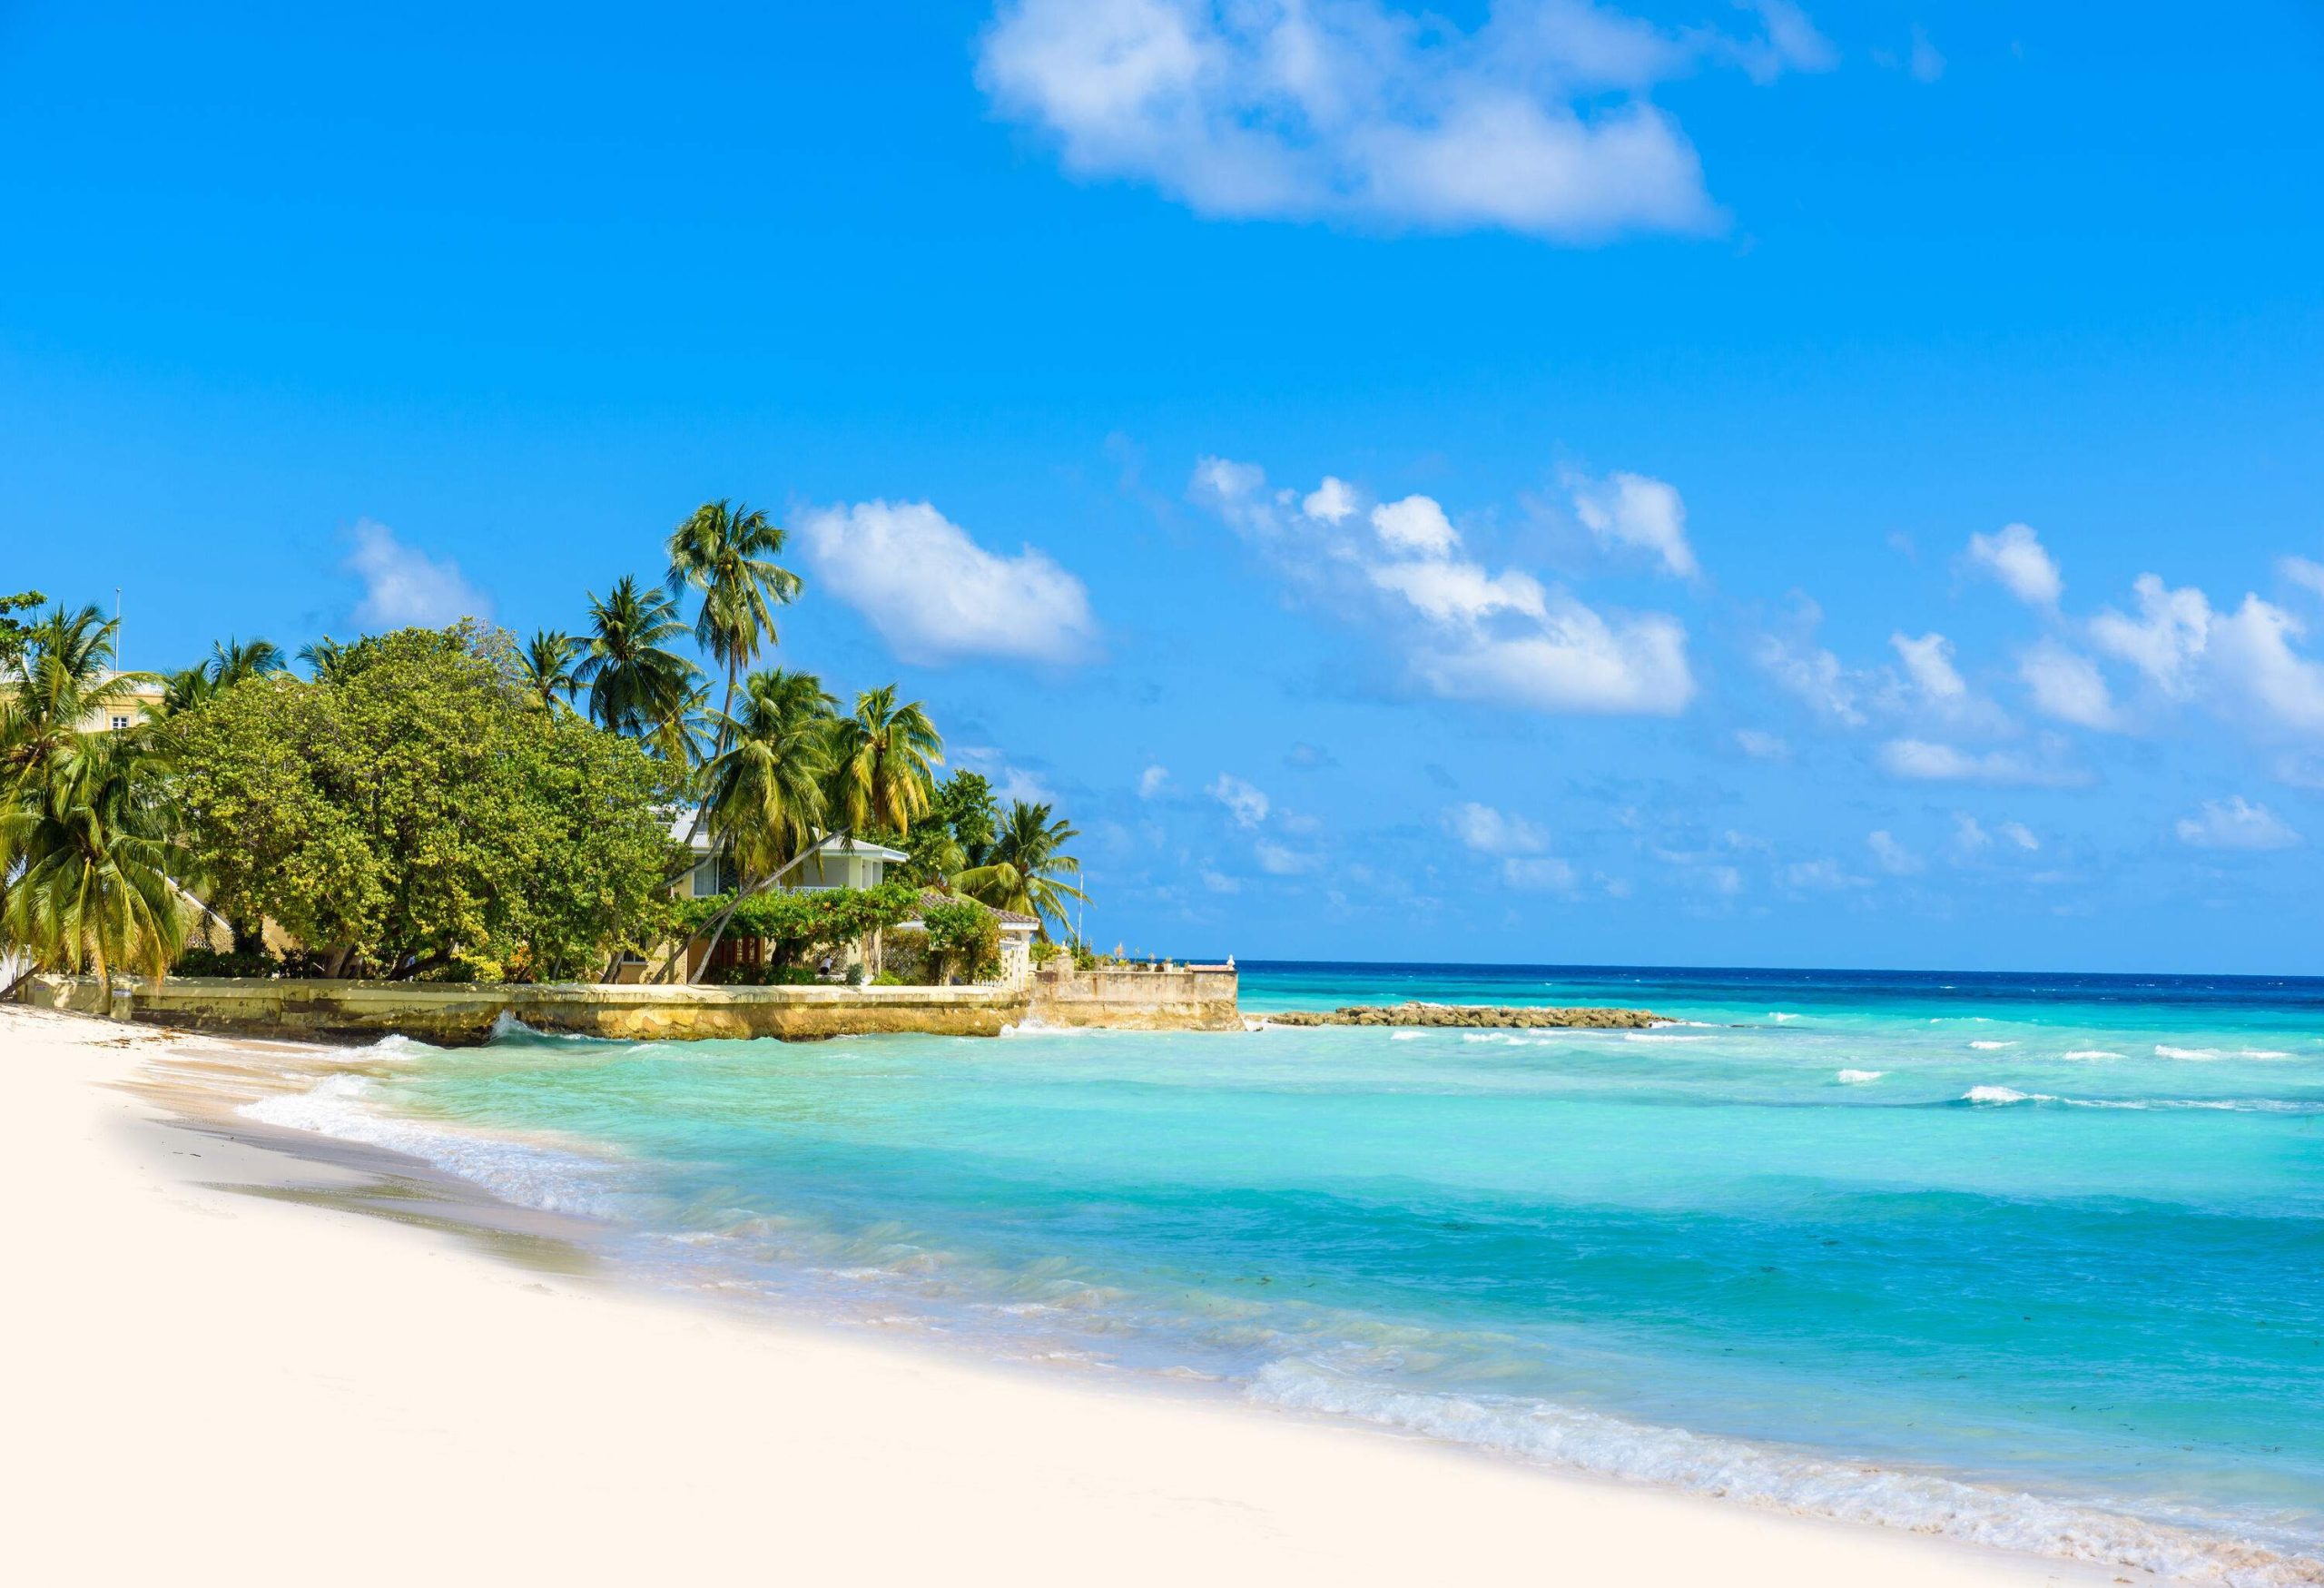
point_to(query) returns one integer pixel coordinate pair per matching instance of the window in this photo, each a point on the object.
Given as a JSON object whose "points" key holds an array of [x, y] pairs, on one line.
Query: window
{"points": [[119, 722]]}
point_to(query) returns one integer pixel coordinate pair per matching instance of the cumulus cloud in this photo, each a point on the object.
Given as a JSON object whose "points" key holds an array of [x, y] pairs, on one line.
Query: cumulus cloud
{"points": [[1928, 761], [1821, 876], [2305, 572], [1248, 805], [2252, 652], [1008, 782], [1537, 121], [1331, 501], [1632, 510], [2236, 824], [2165, 640], [1279, 860], [1150, 781], [936, 596], [1895, 859], [403, 587], [1415, 524], [1814, 675], [2019, 834], [2067, 685], [1465, 632], [1491, 831], [2015, 557]]}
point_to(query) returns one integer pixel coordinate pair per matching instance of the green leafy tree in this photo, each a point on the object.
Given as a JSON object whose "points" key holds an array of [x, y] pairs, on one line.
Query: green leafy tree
{"points": [[1026, 866], [12, 628], [59, 682], [419, 812], [324, 657], [954, 834]]}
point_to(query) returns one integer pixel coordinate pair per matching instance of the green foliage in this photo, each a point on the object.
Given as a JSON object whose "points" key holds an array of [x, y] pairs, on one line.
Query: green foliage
{"points": [[419, 813], [84, 841], [952, 837], [14, 629], [1026, 865], [795, 923], [963, 939]]}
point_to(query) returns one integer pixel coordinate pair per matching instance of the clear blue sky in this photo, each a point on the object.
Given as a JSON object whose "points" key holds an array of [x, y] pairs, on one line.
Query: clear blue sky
{"points": [[1723, 344]]}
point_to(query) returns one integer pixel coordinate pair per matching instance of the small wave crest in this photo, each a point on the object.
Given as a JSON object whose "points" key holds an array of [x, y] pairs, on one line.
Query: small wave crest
{"points": [[2091, 1053], [1990, 1046], [1859, 1076]]}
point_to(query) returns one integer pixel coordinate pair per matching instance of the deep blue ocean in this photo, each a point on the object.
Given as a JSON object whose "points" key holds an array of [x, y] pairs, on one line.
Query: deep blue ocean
{"points": [[2032, 1260]]}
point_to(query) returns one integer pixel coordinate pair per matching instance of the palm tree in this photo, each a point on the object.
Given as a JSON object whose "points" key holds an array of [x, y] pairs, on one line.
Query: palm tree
{"points": [[883, 760], [636, 684], [232, 661], [326, 659], [766, 791], [726, 550], [95, 892], [547, 667], [60, 680], [186, 688], [1027, 862]]}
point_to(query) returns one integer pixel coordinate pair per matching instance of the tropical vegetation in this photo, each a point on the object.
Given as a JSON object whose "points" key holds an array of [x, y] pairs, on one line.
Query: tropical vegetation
{"points": [[454, 802]]}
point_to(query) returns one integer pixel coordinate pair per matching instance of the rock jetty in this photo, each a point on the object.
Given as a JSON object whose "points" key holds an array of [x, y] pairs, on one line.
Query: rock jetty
{"points": [[1466, 1014]]}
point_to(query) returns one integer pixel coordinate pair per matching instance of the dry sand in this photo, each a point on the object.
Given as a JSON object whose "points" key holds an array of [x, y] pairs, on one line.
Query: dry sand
{"points": [[212, 1385]]}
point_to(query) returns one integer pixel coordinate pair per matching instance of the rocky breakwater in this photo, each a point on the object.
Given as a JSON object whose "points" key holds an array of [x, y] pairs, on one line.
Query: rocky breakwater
{"points": [[1475, 1015]]}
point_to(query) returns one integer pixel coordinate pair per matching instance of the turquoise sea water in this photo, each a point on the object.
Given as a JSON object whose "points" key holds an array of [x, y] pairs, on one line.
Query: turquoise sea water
{"points": [[2034, 1260]]}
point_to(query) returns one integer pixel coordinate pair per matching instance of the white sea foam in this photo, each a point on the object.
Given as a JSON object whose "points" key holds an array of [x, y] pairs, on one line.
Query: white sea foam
{"points": [[1858, 1077], [1615, 1447], [1406, 1036], [1661, 1037], [1780, 1016], [2164, 1050], [2000, 1094], [2091, 1053], [521, 1172], [1041, 1027], [1989, 1047]]}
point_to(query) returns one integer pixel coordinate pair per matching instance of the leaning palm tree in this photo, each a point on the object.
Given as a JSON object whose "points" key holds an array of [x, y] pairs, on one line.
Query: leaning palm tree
{"points": [[727, 552], [94, 863], [883, 758], [1028, 863], [636, 684], [766, 791], [547, 667]]}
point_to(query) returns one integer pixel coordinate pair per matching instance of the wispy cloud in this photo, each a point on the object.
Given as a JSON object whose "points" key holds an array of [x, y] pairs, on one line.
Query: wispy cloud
{"points": [[2236, 824]]}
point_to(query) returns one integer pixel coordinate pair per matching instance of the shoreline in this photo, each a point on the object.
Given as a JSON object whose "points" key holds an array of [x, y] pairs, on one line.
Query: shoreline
{"points": [[466, 1357]]}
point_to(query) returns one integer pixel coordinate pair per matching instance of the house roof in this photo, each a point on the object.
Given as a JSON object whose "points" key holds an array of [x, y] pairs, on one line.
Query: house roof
{"points": [[682, 821], [1010, 920]]}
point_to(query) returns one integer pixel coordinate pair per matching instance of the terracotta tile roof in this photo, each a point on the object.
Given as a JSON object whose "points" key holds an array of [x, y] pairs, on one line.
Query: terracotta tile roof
{"points": [[1008, 917]]}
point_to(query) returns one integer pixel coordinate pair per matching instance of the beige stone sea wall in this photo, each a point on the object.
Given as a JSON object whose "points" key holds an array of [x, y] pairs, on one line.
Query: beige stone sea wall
{"points": [[1467, 1014], [448, 1014]]}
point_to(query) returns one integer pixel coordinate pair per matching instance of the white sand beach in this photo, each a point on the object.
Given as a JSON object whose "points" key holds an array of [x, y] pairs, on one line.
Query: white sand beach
{"points": [[209, 1385]]}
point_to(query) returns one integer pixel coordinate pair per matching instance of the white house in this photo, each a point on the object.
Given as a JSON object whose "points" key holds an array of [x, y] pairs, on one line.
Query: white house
{"points": [[837, 862]]}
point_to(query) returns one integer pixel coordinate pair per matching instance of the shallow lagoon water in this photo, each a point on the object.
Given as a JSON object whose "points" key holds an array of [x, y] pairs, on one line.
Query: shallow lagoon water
{"points": [[2038, 1260]]}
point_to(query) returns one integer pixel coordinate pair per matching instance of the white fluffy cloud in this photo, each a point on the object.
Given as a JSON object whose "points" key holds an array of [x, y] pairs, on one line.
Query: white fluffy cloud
{"points": [[1491, 831], [2014, 555], [2305, 572], [1635, 511], [1928, 662], [1248, 805], [2252, 653], [1151, 780], [1465, 633], [1416, 523], [1928, 761], [2067, 685], [2165, 640], [2236, 824], [405, 587], [1535, 121], [936, 596]]}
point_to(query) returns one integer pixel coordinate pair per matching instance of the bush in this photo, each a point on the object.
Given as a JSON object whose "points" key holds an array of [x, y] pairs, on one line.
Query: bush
{"points": [[796, 924], [887, 979], [963, 939]]}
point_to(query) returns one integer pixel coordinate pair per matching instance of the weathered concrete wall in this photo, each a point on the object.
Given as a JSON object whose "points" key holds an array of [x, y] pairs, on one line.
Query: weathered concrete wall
{"points": [[1200, 997], [453, 1015]]}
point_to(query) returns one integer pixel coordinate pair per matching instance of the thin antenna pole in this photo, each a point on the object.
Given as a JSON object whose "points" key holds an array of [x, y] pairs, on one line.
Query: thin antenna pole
{"points": [[117, 630]]}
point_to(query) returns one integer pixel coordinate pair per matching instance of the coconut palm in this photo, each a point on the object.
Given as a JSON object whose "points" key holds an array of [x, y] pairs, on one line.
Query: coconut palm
{"points": [[90, 834], [326, 659], [547, 667], [883, 758], [766, 790], [1027, 862], [636, 684], [232, 661], [727, 552], [60, 680]]}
